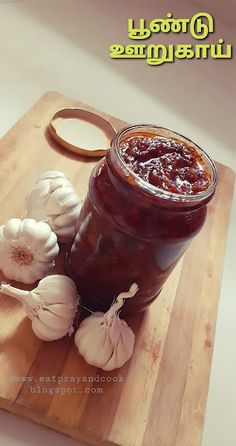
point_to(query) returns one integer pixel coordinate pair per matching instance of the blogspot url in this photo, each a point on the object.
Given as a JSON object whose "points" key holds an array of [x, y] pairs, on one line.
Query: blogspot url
{"points": [[63, 390]]}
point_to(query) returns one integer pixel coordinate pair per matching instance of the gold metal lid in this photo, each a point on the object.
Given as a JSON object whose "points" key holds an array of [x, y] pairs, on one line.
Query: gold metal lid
{"points": [[81, 131]]}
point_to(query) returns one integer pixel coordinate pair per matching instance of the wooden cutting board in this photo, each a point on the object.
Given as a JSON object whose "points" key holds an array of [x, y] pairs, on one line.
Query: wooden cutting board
{"points": [[158, 398]]}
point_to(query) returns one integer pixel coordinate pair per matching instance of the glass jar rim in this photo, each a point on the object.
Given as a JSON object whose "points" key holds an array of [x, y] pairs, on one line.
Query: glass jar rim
{"points": [[159, 192]]}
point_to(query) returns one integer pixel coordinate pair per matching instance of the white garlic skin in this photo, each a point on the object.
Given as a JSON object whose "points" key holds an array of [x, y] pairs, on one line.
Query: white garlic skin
{"points": [[105, 340], [53, 199], [27, 249], [59, 297], [51, 306], [107, 345]]}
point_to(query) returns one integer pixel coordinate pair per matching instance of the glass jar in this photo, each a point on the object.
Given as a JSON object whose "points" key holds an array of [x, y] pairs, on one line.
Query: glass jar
{"points": [[131, 231]]}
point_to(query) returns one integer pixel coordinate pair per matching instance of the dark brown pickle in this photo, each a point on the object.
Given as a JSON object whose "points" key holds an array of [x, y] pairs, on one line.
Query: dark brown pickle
{"points": [[130, 228], [166, 163]]}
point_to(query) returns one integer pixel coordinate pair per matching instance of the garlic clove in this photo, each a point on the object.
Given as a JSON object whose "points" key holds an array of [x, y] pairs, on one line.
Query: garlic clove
{"points": [[41, 332], [62, 310], [33, 202], [52, 320], [46, 256], [7, 271], [61, 201], [55, 280], [41, 191], [46, 333], [49, 244], [58, 194], [72, 200], [64, 233], [35, 233], [65, 219], [68, 291], [11, 228], [58, 183]]}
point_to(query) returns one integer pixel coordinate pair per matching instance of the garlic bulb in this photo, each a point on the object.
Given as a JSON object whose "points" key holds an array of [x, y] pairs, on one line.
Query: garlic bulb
{"points": [[51, 306], [27, 249], [54, 200], [105, 340]]}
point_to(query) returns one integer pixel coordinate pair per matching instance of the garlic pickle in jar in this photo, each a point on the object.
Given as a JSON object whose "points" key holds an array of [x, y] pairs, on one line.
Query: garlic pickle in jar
{"points": [[147, 199]]}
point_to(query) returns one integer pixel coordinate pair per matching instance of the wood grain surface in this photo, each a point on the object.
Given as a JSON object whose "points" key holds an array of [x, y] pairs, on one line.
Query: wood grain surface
{"points": [[158, 398]]}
